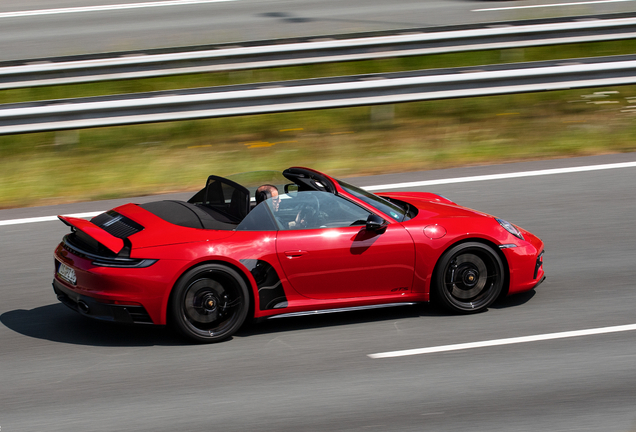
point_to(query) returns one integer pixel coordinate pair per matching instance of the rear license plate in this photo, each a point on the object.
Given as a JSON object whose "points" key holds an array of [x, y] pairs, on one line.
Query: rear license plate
{"points": [[67, 273]]}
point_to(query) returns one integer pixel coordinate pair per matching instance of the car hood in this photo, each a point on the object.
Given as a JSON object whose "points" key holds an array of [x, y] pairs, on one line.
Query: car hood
{"points": [[430, 205]]}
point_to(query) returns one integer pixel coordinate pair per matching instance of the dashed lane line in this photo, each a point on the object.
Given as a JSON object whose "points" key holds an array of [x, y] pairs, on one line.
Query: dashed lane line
{"points": [[102, 8], [499, 342], [551, 5]]}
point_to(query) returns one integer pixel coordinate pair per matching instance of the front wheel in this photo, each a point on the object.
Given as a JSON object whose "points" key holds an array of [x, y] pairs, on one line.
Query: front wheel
{"points": [[209, 303], [468, 278]]}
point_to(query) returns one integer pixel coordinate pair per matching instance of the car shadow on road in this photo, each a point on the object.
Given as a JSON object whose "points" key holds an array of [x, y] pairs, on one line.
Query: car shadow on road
{"points": [[57, 323], [277, 325], [324, 320], [513, 300]]}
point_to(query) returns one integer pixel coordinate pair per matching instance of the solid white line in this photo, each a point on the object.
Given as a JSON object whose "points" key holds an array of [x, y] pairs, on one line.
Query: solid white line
{"points": [[503, 176], [550, 5], [509, 341], [46, 218], [106, 8], [404, 185]]}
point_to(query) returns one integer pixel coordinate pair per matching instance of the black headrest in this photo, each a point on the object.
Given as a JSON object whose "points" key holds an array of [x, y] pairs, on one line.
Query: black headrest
{"points": [[265, 193]]}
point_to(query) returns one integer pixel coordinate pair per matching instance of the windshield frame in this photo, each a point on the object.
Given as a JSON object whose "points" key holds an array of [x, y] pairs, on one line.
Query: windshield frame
{"points": [[377, 202]]}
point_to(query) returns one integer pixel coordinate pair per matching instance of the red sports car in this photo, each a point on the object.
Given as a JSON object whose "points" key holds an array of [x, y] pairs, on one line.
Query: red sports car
{"points": [[269, 244]]}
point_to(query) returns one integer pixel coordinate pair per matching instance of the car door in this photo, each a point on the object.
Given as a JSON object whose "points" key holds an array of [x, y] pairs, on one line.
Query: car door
{"points": [[335, 256]]}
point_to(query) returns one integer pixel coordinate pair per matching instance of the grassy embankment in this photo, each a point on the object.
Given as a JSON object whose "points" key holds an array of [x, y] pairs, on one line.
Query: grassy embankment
{"points": [[47, 168]]}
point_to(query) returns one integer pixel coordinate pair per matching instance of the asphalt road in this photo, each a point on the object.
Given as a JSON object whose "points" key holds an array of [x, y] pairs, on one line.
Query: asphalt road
{"points": [[30, 36], [61, 372]]}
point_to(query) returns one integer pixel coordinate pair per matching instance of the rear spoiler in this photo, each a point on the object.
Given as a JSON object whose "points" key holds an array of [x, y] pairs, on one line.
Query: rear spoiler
{"points": [[113, 243]]}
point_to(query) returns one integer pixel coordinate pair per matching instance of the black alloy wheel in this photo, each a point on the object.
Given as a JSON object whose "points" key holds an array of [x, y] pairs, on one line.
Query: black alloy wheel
{"points": [[469, 278], [209, 303]]}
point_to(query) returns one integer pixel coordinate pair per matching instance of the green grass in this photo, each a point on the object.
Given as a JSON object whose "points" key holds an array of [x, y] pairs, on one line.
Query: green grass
{"points": [[91, 164]]}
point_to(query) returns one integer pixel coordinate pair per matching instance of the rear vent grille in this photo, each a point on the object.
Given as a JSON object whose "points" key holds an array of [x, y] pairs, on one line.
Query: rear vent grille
{"points": [[116, 224]]}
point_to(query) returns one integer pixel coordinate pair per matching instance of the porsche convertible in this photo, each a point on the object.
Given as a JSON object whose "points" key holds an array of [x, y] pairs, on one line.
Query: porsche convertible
{"points": [[270, 244]]}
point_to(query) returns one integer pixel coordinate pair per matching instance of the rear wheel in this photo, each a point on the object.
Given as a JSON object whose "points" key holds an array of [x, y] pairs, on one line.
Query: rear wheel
{"points": [[469, 278], [209, 303]]}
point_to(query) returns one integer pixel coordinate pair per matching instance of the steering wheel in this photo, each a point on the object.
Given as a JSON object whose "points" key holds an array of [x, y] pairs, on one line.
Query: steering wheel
{"points": [[308, 215]]}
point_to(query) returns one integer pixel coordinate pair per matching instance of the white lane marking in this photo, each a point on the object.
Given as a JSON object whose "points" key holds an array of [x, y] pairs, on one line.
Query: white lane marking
{"points": [[28, 13], [46, 218], [509, 341], [402, 185], [503, 176], [550, 5]]}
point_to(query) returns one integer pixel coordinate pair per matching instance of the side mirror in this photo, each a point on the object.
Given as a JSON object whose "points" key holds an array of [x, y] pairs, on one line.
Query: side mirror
{"points": [[291, 187], [376, 223]]}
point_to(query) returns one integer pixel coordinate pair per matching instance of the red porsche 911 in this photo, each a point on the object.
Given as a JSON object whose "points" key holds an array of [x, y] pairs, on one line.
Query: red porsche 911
{"points": [[268, 244]]}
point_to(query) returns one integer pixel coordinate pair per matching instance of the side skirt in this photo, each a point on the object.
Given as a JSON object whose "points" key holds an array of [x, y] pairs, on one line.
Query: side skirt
{"points": [[345, 309]]}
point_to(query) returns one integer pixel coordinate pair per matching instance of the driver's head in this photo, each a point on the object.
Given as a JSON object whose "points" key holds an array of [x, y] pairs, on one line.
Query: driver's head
{"points": [[268, 191]]}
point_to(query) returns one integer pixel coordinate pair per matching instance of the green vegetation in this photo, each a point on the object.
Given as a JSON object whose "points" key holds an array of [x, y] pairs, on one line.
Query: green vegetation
{"points": [[47, 168]]}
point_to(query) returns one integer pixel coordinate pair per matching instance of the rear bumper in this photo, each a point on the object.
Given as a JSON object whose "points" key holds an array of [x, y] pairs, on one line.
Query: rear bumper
{"points": [[92, 308]]}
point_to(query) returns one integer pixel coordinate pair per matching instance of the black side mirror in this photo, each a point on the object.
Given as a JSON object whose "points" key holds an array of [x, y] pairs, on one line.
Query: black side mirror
{"points": [[376, 223], [291, 187]]}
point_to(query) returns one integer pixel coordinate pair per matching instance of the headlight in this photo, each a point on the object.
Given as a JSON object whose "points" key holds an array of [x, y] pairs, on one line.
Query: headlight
{"points": [[510, 228]]}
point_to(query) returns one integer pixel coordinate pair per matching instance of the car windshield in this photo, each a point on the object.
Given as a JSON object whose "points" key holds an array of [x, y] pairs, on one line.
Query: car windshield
{"points": [[375, 201]]}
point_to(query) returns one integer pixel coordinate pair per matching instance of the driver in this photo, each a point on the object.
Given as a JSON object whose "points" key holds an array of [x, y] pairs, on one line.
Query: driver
{"points": [[270, 192], [307, 216], [267, 191]]}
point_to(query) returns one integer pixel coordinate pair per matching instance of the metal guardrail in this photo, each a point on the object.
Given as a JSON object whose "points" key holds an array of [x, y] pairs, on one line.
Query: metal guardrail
{"points": [[152, 63], [316, 94]]}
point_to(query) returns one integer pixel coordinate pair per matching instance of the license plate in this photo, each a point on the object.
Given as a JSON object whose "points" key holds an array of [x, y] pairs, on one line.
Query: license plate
{"points": [[67, 273]]}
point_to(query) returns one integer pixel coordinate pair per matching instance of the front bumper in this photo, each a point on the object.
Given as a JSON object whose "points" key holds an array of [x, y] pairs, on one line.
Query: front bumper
{"points": [[539, 283], [92, 308], [525, 261]]}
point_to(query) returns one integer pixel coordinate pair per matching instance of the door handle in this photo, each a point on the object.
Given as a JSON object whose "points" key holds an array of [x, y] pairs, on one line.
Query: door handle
{"points": [[291, 254]]}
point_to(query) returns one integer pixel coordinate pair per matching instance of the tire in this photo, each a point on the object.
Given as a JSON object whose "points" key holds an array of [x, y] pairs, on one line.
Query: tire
{"points": [[468, 278], [209, 303]]}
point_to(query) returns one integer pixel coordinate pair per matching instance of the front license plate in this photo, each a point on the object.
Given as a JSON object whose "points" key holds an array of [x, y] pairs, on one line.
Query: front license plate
{"points": [[67, 273]]}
